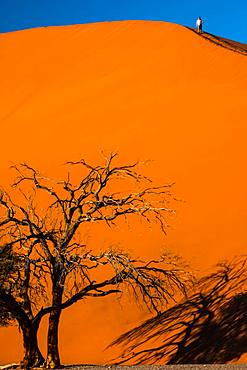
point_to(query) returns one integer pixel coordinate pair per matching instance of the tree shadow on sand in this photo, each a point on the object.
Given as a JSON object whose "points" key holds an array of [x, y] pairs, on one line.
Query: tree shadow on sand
{"points": [[210, 326]]}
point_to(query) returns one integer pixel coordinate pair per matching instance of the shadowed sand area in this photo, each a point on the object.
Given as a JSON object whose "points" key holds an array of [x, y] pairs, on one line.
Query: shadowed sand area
{"points": [[151, 91]]}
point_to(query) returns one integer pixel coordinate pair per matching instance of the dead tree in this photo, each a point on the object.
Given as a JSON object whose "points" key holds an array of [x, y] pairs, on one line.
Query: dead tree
{"points": [[58, 267]]}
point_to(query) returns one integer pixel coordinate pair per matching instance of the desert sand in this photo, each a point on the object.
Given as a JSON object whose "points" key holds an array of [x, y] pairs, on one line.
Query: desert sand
{"points": [[150, 91]]}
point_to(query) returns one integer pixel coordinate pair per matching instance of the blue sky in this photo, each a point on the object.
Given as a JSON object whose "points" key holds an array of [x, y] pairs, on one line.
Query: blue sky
{"points": [[222, 17]]}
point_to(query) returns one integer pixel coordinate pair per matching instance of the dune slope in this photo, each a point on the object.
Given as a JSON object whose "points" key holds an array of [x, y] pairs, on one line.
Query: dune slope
{"points": [[148, 90], [232, 45]]}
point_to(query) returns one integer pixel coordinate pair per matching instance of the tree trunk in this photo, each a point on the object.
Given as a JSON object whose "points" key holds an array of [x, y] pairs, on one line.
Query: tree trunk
{"points": [[32, 354], [53, 358]]}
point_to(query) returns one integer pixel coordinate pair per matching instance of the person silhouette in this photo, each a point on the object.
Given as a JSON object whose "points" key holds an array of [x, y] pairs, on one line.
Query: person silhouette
{"points": [[199, 24]]}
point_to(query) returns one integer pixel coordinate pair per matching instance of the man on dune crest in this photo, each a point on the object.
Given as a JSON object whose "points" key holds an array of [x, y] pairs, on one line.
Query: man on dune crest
{"points": [[199, 24]]}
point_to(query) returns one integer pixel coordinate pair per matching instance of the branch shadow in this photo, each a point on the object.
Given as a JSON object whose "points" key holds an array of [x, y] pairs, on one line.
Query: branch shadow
{"points": [[209, 327]]}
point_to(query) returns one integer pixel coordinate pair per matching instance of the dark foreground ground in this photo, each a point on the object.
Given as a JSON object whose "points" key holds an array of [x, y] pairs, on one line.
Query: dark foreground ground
{"points": [[147, 367], [168, 367]]}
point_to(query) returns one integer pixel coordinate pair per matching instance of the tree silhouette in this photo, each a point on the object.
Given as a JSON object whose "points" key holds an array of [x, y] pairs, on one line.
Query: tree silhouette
{"points": [[210, 326], [50, 268]]}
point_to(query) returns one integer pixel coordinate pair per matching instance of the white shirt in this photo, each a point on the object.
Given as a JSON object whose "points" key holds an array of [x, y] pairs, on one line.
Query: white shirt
{"points": [[198, 22]]}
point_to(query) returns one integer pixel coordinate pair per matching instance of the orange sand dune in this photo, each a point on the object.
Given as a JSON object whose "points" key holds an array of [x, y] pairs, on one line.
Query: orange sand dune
{"points": [[148, 90]]}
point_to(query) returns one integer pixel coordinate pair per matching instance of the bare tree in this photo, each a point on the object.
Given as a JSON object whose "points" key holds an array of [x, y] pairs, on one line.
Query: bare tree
{"points": [[57, 270]]}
